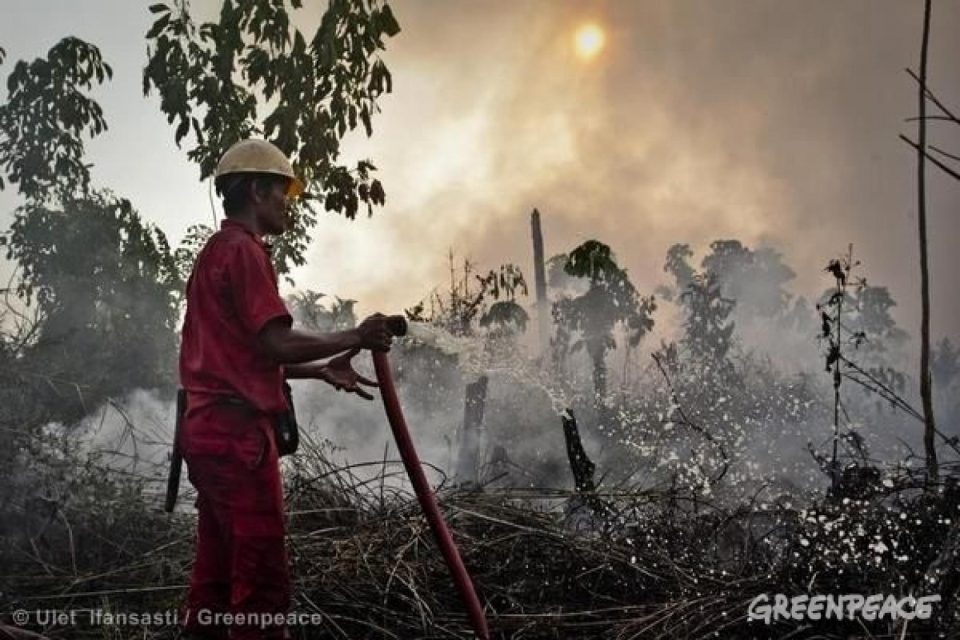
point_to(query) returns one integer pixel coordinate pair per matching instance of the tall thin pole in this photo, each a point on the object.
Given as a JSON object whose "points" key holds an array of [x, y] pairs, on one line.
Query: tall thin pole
{"points": [[926, 392], [540, 278], [834, 467]]}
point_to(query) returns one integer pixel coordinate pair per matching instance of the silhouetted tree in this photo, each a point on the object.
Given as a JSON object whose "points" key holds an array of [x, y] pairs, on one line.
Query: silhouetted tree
{"points": [[610, 300], [45, 118], [708, 328], [926, 385], [103, 283], [678, 266], [754, 279], [107, 288], [252, 72], [308, 310]]}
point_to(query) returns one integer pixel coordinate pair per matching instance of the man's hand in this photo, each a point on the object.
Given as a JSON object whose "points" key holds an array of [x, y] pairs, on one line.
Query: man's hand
{"points": [[375, 333], [340, 373]]}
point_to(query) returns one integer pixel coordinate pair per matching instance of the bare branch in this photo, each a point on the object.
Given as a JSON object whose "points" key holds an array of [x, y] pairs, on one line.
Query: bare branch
{"points": [[952, 172], [690, 423], [930, 96], [944, 153], [929, 118]]}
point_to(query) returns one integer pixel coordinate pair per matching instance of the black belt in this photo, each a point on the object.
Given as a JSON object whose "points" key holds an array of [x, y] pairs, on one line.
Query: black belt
{"points": [[285, 429]]}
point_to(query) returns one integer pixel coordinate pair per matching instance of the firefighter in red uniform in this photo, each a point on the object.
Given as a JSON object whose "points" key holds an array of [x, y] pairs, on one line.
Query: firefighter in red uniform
{"points": [[237, 347]]}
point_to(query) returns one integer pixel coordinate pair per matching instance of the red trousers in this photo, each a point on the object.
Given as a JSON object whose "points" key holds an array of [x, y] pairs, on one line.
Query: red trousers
{"points": [[241, 561]]}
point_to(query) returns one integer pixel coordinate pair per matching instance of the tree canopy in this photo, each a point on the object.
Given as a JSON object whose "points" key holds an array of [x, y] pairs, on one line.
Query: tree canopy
{"points": [[45, 118], [101, 283], [254, 73]]}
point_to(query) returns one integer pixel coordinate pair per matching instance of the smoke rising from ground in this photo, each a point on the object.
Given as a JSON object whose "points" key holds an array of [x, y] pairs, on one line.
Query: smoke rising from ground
{"points": [[772, 124]]}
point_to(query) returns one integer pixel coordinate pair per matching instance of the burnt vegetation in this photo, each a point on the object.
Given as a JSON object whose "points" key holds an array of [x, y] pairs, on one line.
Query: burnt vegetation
{"points": [[643, 468]]}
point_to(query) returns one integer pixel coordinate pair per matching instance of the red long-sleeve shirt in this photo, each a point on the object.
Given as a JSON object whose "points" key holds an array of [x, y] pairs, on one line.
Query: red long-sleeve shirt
{"points": [[231, 295]]}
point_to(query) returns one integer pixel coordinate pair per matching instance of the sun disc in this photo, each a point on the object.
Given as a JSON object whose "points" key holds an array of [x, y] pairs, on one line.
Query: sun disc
{"points": [[588, 41]]}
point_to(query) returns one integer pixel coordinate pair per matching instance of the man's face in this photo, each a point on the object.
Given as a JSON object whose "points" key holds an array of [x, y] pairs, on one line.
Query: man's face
{"points": [[272, 208]]}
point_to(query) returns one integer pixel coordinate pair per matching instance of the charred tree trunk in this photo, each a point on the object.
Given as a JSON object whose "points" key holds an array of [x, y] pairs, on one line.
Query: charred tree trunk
{"points": [[468, 461], [926, 392], [580, 464], [583, 470], [540, 278]]}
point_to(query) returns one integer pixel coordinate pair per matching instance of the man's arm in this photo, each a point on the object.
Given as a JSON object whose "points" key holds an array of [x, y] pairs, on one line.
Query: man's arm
{"points": [[338, 373], [289, 346], [304, 370]]}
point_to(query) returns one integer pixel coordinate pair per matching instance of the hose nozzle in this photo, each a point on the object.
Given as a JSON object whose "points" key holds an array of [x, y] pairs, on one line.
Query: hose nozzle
{"points": [[397, 325]]}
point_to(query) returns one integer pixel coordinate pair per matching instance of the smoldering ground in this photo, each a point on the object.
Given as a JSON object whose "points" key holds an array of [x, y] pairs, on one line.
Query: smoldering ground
{"points": [[767, 426]]}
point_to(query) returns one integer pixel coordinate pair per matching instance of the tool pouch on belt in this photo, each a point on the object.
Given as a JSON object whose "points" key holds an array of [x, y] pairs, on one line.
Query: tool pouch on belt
{"points": [[286, 432], [285, 428]]}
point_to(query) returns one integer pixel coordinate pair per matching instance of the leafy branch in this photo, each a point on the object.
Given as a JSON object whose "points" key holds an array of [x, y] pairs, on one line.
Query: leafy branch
{"points": [[252, 73], [45, 117]]}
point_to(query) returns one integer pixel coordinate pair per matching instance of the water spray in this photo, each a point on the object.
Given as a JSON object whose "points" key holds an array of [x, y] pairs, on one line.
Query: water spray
{"points": [[428, 502]]}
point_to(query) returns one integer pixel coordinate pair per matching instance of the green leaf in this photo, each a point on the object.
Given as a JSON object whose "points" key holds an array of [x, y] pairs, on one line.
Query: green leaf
{"points": [[157, 27], [388, 78], [182, 131], [365, 118], [377, 194], [388, 23], [159, 8]]}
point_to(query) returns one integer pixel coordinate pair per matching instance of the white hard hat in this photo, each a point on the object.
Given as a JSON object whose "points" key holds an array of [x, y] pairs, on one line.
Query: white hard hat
{"points": [[258, 156]]}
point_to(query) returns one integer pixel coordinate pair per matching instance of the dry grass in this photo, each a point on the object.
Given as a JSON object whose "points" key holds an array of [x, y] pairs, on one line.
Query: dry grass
{"points": [[658, 564]]}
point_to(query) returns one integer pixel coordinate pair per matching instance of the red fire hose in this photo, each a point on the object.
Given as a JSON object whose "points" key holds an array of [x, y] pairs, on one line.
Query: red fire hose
{"points": [[425, 496]]}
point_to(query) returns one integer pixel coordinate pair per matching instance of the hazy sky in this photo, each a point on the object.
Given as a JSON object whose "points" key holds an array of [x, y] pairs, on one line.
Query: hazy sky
{"points": [[774, 123]]}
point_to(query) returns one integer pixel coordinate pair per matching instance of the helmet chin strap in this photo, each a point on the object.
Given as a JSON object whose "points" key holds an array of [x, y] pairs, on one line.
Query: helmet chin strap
{"points": [[213, 209]]}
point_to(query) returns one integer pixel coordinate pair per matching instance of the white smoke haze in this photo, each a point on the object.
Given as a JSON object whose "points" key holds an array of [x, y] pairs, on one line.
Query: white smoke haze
{"points": [[134, 434], [522, 440], [522, 437], [770, 124], [522, 431], [775, 125], [735, 121]]}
